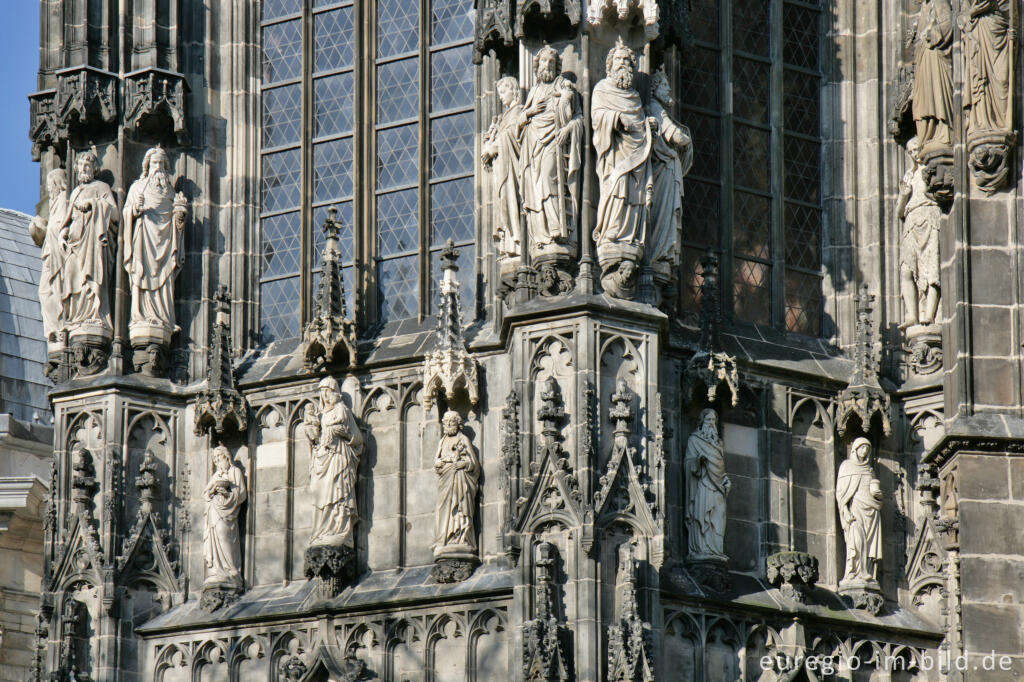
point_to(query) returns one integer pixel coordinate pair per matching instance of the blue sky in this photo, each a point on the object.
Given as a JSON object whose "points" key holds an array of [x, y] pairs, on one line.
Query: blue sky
{"points": [[19, 63]]}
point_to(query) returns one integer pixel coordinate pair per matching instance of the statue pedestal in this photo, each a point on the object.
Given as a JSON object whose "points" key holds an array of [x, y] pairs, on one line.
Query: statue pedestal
{"points": [[508, 269], [218, 593], [938, 172], [988, 153], [794, 573], [149, 347], [711, 572], [454, 564], [90, 344], [924, 348], [863, 594], [555, 265], [334, 566], [620, 269]]}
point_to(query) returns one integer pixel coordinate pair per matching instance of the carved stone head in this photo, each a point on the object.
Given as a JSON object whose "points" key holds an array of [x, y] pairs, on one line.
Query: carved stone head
{"points": [[85, 168], [155, 161], [56, 182], [620, 65], [860, 451], [914, 149], [221, 458], [660, 87], [547, 64], [329, 392], [451, 422], [709, 423], [508, 91]]}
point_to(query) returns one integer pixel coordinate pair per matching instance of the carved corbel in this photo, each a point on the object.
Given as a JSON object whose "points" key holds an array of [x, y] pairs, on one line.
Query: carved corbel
{"points": [[493, 29], [566, 13], [154, 92], [86, 97], [42, 127]]}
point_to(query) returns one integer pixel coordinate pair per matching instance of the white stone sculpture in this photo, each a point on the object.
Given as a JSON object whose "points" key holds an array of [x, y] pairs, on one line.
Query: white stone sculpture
{"points": [[46, 234], [623, 138], [551, 158], [153, 222], [707, 487], [919, 244], [458, 470], [89, 235], [225, 493], [337, 444], [933, 76], [501, 149], [672, 158], [859, 495]]}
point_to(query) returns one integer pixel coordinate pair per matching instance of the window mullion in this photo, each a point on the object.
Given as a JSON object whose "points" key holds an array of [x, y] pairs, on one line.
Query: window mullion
{"points": [[306, 210], [371, 284], [424, 177], [777, 245], [725, 261], [360, 169]]}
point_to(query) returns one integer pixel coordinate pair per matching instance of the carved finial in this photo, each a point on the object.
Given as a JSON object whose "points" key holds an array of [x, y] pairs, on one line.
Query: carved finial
{"points": [[710, 311], [622, 411], [864, 396], [551, 413], [221, 405], [147, 482], [449, 257], [330, 336]]}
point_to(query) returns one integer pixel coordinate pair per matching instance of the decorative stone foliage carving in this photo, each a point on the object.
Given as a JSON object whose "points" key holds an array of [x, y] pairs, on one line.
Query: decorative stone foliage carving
{"points": [[221, 406], [863, 397], [859, 495], [225, 494], [794, 573], [501, 151], [623, 139], [707, 487], [330, 337], [449, 368], [545, 636], [629, 637], [989, 42], [709, 367], [337, 444], [154, 219], [156, 93], [458, 470], [46, 233]]}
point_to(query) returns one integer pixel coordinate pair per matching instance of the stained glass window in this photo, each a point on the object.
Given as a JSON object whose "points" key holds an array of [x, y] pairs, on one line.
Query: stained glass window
{"points": [[406, 137], [759, 101]]}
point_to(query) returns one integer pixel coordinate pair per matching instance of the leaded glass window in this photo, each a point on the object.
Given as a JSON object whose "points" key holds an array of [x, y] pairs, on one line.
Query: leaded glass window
{"points": [[751, 96], [361, 111]]}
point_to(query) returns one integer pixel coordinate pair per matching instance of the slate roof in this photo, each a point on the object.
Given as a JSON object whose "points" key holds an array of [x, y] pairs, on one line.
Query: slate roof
{"points": [[23, 383]]}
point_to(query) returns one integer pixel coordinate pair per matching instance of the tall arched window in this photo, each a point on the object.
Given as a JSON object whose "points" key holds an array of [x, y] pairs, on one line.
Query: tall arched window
{"points": [[751, 96], [369, 107]]}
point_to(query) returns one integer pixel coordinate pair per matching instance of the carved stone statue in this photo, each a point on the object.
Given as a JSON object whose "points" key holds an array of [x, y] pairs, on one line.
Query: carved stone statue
{"points": [[933, 76], [458, 470], [623, 138], [859, 495], [707, 487], [672, 158], [153, 222], [89, 234], [46, 234], [986, 29], [919, 244], [225, 493], [551, 158], [501, 149], [337, 444]]}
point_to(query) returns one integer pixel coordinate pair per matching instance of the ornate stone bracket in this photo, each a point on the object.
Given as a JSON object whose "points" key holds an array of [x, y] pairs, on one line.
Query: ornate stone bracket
{"points": [[42, 127], [153, 92], [86, 96], [863, 397], [548, 11], [449, 368], [335, 567], [989, 153], [221, 406], [794, 573], [939, 174], [493, 29], [330, 337], [647, 14]]}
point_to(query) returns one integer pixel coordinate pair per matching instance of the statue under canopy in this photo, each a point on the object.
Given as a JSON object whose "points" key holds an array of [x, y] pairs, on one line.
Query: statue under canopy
{"points": [[707, 487], [225, 493], [859, 495], [46, 233]]}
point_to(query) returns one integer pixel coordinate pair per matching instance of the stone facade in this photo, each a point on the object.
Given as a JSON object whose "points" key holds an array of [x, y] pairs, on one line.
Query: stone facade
{"points": [[467, 432]]}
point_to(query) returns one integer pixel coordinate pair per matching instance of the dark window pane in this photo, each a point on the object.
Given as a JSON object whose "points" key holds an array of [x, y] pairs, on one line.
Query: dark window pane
{"points": [[451, 21], [399, 287], [332, 104], [800, 36], [332, 170], [398, 90], [690, 277], [281, 244], [398, 27], [701, 213], [465, 275], [751, 91], [752, 157], [751, 27], [803, 236], [752, 219], [272, 9], [802, 168], [451, 78], [752, 291], [800, 103], [279, 188], [707, 144], [332, 35], [282, 51], [704, 20], [282, 116], [700, 79], [397, 156], [398, 223], [451, 145], [451, 211], [344, 238], [803, 303], [279, 309]]}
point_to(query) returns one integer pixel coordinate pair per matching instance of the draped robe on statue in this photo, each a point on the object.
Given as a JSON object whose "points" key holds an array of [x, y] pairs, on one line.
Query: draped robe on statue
{"points": [[51, 277], [458, 469], [92, 227], [987, 46], [672, 157], [706, 493], [863, 530], [504, 143], [551, 184], [152, 255], [332, 477], [933, 75], [225, 494], [623, 164]]}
